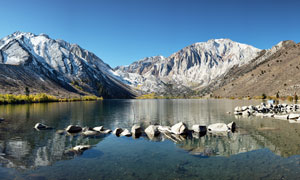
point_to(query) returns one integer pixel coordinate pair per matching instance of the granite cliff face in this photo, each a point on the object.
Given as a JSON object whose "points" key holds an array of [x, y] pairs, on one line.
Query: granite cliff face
{"points": [[192, 67], [55, 64]]}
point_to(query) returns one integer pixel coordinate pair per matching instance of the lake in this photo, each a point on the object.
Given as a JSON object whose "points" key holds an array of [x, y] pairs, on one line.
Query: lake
{"points": [[261, 148]]}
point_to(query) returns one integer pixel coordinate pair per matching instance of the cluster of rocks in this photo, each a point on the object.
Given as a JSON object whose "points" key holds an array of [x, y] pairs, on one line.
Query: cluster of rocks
{"points": [[177, 132], [277, 111]]}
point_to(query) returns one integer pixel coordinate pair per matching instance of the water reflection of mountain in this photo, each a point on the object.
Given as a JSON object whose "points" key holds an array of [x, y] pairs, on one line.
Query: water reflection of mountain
{"points": [[32, 152], [231, 144]]}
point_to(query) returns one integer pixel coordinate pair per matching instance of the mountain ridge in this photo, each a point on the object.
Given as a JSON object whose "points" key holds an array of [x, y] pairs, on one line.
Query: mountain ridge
{"points": [[71, 67]]}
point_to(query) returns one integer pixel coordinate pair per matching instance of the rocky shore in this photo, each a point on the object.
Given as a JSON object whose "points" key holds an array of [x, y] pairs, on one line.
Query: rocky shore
{"points": [[289, 112]]}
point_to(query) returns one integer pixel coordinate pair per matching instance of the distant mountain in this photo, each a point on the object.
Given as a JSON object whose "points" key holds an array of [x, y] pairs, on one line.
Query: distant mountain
{"points": [[55, 67], [189, 69], [276, 70]]}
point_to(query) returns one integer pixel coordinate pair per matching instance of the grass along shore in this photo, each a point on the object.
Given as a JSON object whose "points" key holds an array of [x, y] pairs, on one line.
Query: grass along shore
{"points": [[41, 98], [262, 97]]}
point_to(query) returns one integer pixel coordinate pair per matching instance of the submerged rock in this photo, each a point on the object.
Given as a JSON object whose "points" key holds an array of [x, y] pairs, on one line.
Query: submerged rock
{"points": [[126, 132], [198, 128], [60, 132], [117, 131], [179, 128], [218, 127], [40, 126], [90, 133], [77, 150], [73, 129]]}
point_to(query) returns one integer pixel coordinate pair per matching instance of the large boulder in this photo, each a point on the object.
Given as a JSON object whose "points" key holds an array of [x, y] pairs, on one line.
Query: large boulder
{"points": [[152, 130], [231, 126], [218, 127], [40, 126], [73, 129], [126, 132], [237, 109], [179, 128], [117, 131], [293, 116], [198, 128], [282, 117], [136, 129]]}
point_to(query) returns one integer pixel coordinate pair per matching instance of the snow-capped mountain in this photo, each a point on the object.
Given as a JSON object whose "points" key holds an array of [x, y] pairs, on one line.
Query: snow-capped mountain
{"points": [[73, 68], [192, 67]]}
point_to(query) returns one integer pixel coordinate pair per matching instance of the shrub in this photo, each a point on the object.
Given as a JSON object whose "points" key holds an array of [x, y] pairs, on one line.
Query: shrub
{"points": [[290, 98]]}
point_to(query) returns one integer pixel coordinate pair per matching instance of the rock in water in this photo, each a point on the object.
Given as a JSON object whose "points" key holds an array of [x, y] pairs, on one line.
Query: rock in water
{"points": [[77, 149], [198, 128], [117, 131], [126, 133], [98, 128], [293, 116], [152, 131], [73, 129], [231, 126], [81, 147], [164, 129], [179, 128], [105, 131], [136, 129], [40, 126], [218, 127]]}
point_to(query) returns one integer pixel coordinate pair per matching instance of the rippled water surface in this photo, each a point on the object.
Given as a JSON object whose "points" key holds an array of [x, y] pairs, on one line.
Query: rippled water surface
{"points": [[262, 148]]}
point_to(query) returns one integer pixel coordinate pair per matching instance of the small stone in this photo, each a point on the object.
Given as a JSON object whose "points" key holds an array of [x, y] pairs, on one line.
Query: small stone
{"points": [[73, 129], [98, 128], [81, 147], [40, 126], [105, 131]]}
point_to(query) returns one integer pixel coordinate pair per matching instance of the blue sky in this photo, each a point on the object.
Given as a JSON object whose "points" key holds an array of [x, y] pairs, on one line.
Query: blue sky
{"points": [[123, 31]]}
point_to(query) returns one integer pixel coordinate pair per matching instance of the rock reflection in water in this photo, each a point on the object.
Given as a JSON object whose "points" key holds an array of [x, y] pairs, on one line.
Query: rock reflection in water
{"points": [[225, 144]]}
